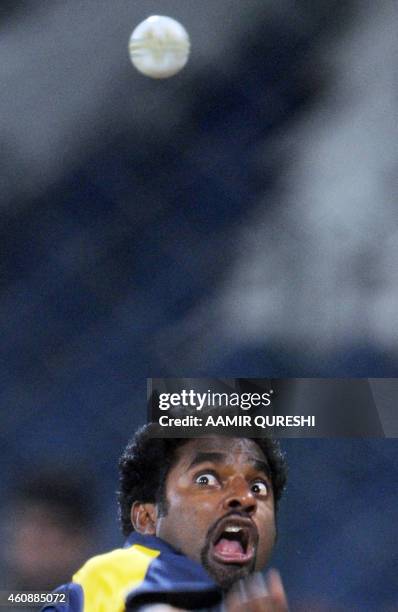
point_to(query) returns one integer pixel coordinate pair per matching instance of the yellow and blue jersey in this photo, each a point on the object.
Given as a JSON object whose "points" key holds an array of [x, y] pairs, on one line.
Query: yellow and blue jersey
{"points": [[146, 570]]}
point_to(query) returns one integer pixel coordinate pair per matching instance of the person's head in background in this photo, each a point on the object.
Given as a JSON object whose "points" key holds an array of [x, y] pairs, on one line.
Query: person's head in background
{"points": [[213, 499], [49, 529]]}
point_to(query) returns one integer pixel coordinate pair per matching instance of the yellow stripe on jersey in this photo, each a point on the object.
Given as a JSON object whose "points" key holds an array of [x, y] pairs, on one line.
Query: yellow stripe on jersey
{"points": [[106, 579]]}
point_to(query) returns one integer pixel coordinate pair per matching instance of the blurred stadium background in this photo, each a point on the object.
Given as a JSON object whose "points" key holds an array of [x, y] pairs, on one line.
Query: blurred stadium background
{"points": [[237, 220]]}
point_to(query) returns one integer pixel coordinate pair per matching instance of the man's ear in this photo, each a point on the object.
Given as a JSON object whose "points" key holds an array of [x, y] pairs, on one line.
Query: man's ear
{"points": [[144, 517]]}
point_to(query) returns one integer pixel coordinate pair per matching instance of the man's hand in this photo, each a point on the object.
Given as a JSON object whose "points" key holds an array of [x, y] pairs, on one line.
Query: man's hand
{"points": [[258, 594], [253, 594]]}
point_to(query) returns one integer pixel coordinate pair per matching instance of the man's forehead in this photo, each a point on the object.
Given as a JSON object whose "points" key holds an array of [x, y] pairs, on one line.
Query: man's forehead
{"points": [[223, 446]]}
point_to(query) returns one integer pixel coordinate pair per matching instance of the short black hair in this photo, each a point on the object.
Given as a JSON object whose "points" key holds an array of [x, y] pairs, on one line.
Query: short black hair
{"points": [[146, 461]]}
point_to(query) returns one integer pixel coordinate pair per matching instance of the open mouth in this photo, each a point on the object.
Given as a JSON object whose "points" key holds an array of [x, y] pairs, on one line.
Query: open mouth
{"points": [[234, 541]]}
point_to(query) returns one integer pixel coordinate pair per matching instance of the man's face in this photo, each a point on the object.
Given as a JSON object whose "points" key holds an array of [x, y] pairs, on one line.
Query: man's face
{"points": [[220, 507]]}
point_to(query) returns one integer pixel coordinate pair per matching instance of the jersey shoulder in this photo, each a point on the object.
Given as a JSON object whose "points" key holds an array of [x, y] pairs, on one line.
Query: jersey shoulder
{"points": [[106, 579]]}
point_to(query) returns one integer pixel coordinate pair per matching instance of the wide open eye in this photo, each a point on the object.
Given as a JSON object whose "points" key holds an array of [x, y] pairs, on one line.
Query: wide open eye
{"points": [[206, 479], [259, 487]]}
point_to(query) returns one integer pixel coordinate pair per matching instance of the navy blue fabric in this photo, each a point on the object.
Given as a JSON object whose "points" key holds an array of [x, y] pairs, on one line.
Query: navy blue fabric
{"points": [[174, 579], [75, 599]]}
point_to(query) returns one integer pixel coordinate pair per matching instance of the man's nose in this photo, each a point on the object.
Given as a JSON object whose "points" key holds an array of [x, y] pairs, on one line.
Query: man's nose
{"points": [[240, 496]]}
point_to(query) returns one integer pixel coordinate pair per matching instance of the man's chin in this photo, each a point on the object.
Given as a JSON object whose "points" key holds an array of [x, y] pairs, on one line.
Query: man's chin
{"points": [[226, 574]]}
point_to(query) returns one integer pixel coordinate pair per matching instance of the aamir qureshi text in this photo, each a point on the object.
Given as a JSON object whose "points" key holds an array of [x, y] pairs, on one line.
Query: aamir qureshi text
{"points": [[242, 420]]}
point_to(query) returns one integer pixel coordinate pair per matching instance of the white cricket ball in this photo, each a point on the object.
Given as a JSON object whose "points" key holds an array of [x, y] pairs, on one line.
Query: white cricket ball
{"points": [[159, 47]]}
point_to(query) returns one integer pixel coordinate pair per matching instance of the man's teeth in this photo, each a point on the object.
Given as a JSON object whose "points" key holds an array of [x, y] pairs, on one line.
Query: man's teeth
{"points": [[232, 529]]}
